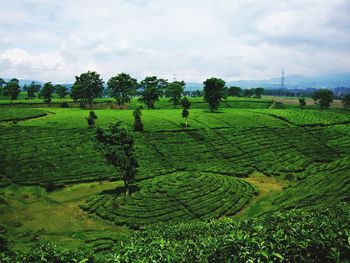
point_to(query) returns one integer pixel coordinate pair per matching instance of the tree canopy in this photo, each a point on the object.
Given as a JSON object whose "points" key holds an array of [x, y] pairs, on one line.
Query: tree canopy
{"points": [[346, 102], [61, 91], [116, 144], [46, 92], [150, 90], [86, 88], [122, 87], [12, 89], [32, 89], [214, 91], [186, 104], [302, 103], [234, 91], [138, 125], [323, 97], [174, 91]]}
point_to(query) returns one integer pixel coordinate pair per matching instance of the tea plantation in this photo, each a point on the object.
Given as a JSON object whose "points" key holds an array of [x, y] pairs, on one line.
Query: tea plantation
{"points": [[247, 183]]}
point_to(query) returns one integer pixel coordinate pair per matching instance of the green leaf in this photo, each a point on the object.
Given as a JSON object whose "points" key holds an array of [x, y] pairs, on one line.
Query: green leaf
{"points": [[264, 253], [277, 255]]}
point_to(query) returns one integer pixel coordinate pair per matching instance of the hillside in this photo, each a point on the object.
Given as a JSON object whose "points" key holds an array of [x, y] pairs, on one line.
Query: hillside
{"points": [[230, 179]]}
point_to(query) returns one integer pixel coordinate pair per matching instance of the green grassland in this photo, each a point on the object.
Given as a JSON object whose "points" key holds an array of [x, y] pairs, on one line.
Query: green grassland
{"points": [[241, 161]]}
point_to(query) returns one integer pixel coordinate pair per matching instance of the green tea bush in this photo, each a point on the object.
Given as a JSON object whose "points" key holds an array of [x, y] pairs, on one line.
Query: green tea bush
{"points": [[173, 198], [315, 234]]}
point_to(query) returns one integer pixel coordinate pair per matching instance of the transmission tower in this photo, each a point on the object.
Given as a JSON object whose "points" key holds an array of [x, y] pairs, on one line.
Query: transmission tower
{"points": [[282, 80], [174, 78]]}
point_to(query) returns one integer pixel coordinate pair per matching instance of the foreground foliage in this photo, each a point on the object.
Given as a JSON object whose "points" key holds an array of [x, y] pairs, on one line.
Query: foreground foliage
{"points": [[305, 235]]}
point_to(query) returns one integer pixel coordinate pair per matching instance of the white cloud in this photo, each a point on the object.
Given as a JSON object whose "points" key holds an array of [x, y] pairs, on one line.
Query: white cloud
{"points": [[54, 41]]}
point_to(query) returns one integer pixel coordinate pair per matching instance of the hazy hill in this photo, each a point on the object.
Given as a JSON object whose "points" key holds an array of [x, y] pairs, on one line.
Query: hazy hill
{"points": [[293, 82]]}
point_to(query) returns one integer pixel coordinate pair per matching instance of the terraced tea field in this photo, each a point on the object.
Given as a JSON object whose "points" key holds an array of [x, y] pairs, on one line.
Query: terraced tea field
{"points": [[199, 173], [176, 197]]}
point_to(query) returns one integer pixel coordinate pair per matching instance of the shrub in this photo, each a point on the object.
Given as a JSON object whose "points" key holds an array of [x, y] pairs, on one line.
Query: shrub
{"points": [[64, 105], [52, 186]]}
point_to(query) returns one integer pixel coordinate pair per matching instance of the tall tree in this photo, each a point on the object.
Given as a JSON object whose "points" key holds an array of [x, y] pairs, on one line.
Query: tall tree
{"points": [[150, 90], [86, 88], [302, 103], [12, 89], [14, 80], [346, 102], [61, 91], [122, 87], [258, 92], [32, 89], [138, 125], [214, 91], [234, 91], [2, 83], [174, 91], [248, 93], [117, 146], [46, 92], [323, 97], [162, 85], [186, 104]]}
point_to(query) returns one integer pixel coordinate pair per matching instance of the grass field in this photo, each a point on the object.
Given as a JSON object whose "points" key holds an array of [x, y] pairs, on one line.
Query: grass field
{"points": [[243, 160]]}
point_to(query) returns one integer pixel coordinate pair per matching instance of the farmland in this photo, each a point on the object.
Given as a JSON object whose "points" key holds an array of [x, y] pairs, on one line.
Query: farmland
{"points": [[234, 174]]}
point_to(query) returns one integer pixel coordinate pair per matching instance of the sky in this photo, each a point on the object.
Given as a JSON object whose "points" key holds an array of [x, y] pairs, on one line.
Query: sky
{"points": [[194, 39]]}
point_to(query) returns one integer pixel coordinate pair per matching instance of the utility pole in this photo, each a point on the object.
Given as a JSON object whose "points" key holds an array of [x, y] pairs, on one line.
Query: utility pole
{"points": [[282, 80]]}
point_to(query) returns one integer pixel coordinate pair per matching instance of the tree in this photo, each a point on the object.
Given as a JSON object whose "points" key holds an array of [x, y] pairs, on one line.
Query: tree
{"points": [[234, 91], [174, 91], [214, 91], [12, 89], [46, 92], [2, 83], [346, 102], [61, 91], [324, 97], [138, 125], [248, 93], [122, 87], [258, 92], [86, 88], [91, 119], [186, 104], [15, 80], [302, 103], [162, 85], [117, 146], [32, 89], [150, 90]]}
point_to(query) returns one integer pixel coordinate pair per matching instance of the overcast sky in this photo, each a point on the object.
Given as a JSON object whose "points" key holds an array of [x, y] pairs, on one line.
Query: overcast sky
{"points": [[234, 39]]}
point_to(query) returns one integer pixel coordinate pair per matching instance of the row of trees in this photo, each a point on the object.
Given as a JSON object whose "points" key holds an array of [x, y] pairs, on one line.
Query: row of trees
{"points": [[324, 98], [12, 90], [123, 87]]}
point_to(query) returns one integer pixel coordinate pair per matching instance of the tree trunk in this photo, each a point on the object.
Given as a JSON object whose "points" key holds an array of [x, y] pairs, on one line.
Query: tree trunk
{"points": [[186, 122], [126, 184]]}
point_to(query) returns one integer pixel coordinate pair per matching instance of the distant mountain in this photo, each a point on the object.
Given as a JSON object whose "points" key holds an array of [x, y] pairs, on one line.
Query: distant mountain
{"points": [[297, 81], [192, 86], [331, 81], [27, 82]]}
